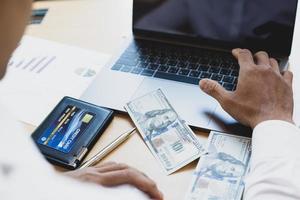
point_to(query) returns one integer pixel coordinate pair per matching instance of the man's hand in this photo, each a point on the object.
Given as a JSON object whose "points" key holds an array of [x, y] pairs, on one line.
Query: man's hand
{"points": [[113, 174], [262, 92]]}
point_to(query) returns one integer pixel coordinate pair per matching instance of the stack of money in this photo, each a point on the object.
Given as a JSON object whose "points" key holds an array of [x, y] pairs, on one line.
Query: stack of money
{"points": [[168, 137], [220, 174]]}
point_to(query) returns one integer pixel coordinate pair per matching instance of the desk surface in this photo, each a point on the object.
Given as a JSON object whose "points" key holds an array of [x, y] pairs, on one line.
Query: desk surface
{"points": [[103, 25]]}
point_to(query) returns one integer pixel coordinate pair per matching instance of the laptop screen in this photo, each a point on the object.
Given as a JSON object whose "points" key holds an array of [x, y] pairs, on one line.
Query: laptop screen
{"points": [[256, 24]]}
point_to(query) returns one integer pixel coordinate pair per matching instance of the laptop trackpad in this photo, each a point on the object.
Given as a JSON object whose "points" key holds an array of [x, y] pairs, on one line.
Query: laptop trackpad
{"points": [[188, 100], [112, 89]]}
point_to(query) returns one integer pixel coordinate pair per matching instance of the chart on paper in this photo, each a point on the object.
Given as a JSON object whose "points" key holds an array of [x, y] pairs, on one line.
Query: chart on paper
{"points": [[41, 72], [34, 64]]}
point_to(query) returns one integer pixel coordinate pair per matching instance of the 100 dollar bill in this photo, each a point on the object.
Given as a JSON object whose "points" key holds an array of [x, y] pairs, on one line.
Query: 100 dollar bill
{"points": [[168, 137], [220, 174]]}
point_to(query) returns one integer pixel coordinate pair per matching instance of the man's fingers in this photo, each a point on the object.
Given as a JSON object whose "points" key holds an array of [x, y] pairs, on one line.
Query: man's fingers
{"points": [[244, 57], [288, 76], [214, 89], [274, 64], [262, 58], [133, 177], [114, 167], [105, 164], [146, 185]]}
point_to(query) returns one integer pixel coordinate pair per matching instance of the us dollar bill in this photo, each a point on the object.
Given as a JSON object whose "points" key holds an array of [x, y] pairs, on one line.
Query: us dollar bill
{"points": [[220, 173], [168, 137]]}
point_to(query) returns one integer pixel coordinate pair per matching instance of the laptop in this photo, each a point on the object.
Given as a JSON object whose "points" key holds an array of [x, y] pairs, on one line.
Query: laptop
{"points": [[176, 43]]}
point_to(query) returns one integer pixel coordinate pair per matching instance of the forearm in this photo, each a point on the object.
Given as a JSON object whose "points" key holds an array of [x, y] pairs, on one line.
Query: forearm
{"points": [[275, 163]]}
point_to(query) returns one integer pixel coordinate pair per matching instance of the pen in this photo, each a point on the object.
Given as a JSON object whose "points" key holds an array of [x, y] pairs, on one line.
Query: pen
{"points": [[109, 148]]}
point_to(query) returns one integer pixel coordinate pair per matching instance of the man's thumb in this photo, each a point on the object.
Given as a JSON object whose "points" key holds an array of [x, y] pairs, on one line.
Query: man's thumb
{"points": [[213, 89]]}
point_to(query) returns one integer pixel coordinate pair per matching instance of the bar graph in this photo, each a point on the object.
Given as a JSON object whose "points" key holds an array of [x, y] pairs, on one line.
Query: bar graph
{"points": [[33, 65]]}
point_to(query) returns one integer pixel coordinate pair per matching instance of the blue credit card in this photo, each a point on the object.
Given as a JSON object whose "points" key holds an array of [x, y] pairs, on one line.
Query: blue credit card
{"points": [[64, 131]]}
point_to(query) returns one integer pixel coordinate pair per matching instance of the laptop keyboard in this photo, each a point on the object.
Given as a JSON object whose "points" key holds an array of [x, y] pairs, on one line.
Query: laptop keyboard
{"points": [[177, 63]]}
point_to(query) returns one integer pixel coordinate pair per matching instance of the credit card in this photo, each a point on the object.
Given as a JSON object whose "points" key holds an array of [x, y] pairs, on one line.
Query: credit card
{"points": [[64, 131]]}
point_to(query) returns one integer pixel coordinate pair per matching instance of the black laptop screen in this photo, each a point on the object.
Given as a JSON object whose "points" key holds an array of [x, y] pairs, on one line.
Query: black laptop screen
{"points": [[255, 24]]}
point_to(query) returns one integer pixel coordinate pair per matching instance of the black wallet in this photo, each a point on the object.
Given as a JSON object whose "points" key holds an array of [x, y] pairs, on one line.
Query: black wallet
{"points": [[70, 131]]}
